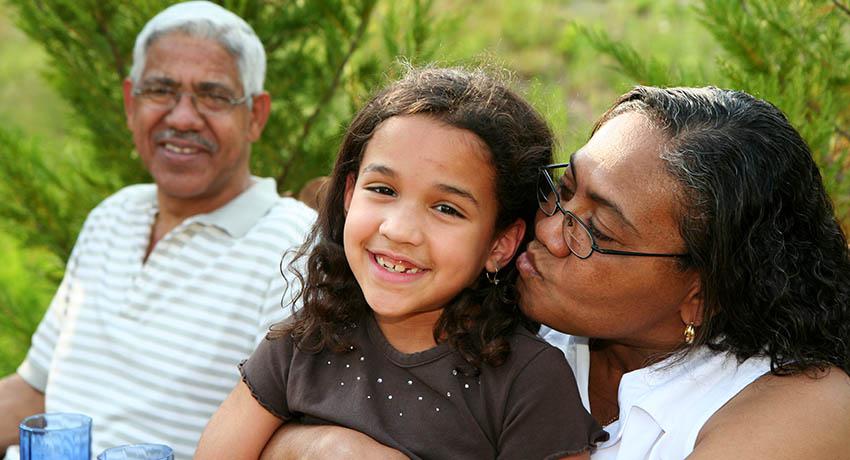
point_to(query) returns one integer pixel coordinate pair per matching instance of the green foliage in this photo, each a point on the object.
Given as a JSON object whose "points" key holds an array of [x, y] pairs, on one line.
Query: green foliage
{"points": [[791, 53], [27, 276], [46, 194]]}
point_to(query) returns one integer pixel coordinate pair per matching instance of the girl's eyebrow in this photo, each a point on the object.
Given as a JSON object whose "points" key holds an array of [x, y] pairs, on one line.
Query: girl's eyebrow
{"points": [[457, 191], [445, 188], [380, 169]]}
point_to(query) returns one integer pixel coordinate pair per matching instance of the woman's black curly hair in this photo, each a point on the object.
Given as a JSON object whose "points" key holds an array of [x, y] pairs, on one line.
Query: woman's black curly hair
{"points": [[758, 225], [479, 319]]}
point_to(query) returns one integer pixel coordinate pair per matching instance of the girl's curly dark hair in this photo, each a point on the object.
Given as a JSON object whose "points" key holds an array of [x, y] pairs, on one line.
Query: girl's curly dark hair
{"points": [[479, 319], [758, 225]]}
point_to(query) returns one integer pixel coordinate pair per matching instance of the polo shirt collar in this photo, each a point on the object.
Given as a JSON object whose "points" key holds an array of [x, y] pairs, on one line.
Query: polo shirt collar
{"points": [[241, 213]]}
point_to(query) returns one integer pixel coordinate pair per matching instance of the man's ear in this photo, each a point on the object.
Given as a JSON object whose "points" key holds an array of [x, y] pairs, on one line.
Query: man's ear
{"points": [[129, 102], [259, 115], [349, 190], [693, 307], [505, 246]]}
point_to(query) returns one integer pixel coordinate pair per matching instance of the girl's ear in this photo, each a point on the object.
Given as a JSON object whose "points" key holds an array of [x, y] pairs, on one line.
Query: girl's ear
{"points": [[349, 190], [505, 246]]}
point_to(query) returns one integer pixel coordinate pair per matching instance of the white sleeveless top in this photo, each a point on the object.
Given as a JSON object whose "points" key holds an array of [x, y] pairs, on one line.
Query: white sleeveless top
{"points": [[662, 409]]}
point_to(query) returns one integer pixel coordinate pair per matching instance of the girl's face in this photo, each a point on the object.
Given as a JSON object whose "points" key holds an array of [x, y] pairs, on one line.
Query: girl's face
{"points": [[420, 219]]}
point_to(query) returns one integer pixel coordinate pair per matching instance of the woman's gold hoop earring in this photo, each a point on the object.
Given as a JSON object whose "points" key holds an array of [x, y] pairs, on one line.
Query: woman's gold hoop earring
{"points": [[690, 333], [494, 279]]}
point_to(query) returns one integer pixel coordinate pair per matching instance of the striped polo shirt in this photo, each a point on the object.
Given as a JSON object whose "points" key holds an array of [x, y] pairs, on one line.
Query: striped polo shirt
{"points": [[149, 349]]}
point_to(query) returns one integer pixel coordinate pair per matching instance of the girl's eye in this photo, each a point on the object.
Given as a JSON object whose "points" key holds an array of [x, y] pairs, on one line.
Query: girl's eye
{"points": [[381, 189], [446, 209]]}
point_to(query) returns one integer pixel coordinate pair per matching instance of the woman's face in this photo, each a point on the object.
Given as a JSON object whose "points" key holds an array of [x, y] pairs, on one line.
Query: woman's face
{"points": [[617, 185]]}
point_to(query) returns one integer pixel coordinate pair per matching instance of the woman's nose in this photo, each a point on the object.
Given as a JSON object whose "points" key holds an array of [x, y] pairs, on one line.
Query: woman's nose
{"points": [[549, 231]]}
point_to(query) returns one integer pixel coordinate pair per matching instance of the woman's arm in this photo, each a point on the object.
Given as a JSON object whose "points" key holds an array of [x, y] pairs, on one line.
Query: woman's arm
{"points": [[317, 442], [788, 417], [239, 429]]}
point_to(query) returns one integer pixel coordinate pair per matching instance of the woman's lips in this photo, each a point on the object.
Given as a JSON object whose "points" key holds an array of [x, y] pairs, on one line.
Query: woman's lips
{"points": [[525, 265]]}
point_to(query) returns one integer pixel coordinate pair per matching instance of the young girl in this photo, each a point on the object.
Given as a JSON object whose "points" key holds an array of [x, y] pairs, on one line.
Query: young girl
{"points": [[409, 330]]}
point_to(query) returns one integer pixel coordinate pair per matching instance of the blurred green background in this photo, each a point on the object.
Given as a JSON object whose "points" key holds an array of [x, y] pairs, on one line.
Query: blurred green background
{"points": [[64, 146]]}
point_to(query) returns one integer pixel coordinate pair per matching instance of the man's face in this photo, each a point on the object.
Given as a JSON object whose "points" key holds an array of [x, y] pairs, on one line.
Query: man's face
{"points": [[199, 159]]}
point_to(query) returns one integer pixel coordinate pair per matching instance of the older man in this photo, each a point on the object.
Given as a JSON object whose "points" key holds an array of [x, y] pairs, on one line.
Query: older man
{"points": [[169, 285]]}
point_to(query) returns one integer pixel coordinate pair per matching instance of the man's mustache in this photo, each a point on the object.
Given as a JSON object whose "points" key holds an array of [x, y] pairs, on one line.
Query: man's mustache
{"points": [[190, 136]]}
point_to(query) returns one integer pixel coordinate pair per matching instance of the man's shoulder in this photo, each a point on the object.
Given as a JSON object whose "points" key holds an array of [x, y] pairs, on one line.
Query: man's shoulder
{"points": [[288, 213], [136, 194], [290, 206], [133, 199]]}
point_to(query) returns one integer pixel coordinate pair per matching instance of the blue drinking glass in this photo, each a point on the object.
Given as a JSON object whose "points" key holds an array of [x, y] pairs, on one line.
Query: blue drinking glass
{"points": [[138, 452], [56, 436]]}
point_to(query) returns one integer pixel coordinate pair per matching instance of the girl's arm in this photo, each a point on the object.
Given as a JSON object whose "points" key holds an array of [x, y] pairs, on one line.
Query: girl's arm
{"points": [[787, 417], [239, 429]]}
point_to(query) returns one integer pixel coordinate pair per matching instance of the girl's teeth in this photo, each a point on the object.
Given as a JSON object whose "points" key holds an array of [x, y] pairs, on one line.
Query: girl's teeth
{"points": [[395, 268]]}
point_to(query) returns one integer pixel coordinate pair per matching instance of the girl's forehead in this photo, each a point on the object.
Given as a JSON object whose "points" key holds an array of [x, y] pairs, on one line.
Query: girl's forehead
{"points": [[422, 138], [424, 151]]}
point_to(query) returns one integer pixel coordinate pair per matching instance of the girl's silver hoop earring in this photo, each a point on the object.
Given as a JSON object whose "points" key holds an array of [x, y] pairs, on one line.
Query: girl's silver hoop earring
{"points": [[494, 277]]}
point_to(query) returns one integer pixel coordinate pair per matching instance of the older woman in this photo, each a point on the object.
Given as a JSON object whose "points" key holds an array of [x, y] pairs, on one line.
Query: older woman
{"points": [[691, 239], [690, 256]]}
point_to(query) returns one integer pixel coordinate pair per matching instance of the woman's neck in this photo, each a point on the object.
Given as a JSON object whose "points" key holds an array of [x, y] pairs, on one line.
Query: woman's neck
{"points": [[609, 362]]}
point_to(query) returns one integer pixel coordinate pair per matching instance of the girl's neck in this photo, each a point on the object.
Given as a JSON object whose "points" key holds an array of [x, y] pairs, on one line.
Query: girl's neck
{"points": [[410, 334]]}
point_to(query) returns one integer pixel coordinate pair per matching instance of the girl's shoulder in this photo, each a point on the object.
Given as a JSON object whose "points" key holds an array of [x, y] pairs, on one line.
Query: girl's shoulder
{"points": [[529, 352], [524, 341]]}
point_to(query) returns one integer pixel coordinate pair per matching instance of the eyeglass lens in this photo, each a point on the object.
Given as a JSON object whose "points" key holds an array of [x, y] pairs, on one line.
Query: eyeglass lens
{"points": [[575, 233], [547, 195]]}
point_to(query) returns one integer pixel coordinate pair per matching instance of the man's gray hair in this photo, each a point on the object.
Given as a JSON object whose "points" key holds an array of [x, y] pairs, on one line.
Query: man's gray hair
{"points": [[207, 20]]}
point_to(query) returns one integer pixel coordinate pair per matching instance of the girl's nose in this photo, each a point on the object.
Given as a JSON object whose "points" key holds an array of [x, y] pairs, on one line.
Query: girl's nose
{"points": [[402, 226]]}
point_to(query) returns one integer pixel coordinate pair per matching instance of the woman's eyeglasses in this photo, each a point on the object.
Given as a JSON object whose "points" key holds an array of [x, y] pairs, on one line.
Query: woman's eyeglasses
{"points": [[576, 233]]}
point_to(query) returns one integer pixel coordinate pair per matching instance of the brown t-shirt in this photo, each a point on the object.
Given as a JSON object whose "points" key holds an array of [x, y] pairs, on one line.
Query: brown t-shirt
{"points": [[430, 404]]}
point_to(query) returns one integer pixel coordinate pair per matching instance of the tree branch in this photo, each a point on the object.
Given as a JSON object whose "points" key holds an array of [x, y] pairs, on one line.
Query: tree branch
{"points": [[298, 149], [841, 7], [113, 48]]}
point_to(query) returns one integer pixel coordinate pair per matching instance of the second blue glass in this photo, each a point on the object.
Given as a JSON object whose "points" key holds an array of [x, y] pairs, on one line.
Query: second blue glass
{"points": [[138, 452]]}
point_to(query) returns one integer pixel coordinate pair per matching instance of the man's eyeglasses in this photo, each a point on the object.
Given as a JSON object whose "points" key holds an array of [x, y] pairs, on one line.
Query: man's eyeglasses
{"points": [[576, 233], [205, 102]]}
